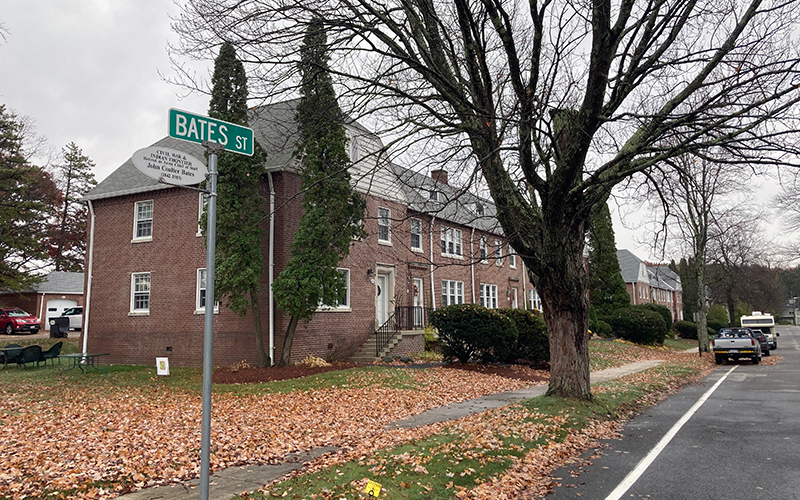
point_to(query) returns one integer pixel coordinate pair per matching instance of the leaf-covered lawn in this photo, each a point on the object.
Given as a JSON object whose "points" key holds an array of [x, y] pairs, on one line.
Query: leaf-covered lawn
{"points": [[81, 442], [102, 435]]}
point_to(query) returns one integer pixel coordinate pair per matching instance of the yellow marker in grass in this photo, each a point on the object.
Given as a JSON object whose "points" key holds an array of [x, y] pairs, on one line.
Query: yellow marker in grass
{"points": [[373, 489]]}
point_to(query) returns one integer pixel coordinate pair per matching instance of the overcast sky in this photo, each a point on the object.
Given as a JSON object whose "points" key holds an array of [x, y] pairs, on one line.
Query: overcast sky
{"points": [[87, 71]]}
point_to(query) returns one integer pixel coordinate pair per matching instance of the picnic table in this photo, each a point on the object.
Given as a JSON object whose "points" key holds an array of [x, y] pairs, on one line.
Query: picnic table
{"points": [[10, 353], [84, 361]]}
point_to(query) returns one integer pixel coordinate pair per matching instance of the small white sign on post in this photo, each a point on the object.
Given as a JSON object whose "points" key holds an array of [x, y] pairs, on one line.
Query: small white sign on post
{"points": [[169, 165], [162, 366]]}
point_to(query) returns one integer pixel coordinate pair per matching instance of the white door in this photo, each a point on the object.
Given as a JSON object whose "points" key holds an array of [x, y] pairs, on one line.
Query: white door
{"points": [[419, 303], [382, 291], [514, 300], [54, 308]]}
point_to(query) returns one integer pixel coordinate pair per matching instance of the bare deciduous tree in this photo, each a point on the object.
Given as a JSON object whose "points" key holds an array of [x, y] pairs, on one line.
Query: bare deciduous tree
{"points": [[688, 197], [555, 102]]}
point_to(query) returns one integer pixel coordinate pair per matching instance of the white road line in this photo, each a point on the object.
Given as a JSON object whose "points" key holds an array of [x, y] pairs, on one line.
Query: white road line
{"points": [[642, 466]]}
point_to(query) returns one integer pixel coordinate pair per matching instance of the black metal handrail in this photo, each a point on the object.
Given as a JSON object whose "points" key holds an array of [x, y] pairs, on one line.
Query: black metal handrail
{"points": [[384, 334], [412, 317]]}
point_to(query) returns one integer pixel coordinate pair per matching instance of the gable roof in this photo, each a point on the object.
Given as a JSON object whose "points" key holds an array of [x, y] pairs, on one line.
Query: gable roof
{"points": [[59, 282], [275, 128], [629, 265]]}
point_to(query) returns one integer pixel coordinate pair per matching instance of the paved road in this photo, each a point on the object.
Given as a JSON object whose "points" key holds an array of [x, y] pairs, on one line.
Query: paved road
{"points": [[741, 443]]}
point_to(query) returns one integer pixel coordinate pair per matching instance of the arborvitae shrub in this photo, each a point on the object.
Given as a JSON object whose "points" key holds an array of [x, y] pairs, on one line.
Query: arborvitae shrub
{"points": [[532, 343], [639, 325], [469, 331], [663, 310], [686, 329]]}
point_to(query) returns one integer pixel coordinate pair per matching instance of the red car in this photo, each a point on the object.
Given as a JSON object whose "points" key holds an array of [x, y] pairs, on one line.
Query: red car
{"points": [[14, 320]]}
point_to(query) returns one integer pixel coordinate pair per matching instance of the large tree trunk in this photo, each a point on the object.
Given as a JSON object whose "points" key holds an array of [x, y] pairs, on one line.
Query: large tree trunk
{"points": [[263, 358], [286, 352], [564, 290]]}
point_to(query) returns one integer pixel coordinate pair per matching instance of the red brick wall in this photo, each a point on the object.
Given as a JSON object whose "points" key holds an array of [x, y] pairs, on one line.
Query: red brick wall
{"points": [[176, 252]]}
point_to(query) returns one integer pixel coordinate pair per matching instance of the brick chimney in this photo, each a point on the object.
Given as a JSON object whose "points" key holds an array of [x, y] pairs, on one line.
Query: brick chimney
{"points": [[439, 176]]}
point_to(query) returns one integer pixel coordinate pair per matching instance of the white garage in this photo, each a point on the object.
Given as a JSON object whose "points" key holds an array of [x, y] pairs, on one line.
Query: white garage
{"points": [[54, 308]]}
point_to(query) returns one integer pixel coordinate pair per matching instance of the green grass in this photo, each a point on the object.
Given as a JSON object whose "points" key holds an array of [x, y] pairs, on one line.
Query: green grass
{"points": [[680, 344], [437, 466]]}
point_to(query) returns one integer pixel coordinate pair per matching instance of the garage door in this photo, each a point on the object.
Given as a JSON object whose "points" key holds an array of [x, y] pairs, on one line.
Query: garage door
{"points": [[54, 309]]}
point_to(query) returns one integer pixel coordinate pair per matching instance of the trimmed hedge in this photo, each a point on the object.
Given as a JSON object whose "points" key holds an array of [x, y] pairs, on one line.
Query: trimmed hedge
{"points": [[468, 331], [663, 310], [639, 325], [603, 329], [533, 344], [687, 329]]}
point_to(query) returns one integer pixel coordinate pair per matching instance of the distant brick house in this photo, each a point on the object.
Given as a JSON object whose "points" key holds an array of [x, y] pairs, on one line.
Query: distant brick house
{"points": [[650, 283], [57, 292], [429, 244]]}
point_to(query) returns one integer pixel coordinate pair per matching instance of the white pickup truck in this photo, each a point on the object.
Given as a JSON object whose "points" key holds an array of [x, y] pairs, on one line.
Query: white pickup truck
{"points": [[736, 343], [75, 315]]}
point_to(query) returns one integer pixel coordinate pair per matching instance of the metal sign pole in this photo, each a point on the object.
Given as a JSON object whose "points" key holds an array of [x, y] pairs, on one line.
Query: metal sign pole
{"points": [[208, 332]]}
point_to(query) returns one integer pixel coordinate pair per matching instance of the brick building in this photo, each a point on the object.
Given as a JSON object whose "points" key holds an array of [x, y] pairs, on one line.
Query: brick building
{"points": [[429, 243], [651, 283]]}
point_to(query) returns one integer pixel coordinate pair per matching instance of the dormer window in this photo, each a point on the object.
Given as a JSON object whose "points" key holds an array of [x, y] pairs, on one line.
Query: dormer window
{"points": [[434, 195], [478, 208]]}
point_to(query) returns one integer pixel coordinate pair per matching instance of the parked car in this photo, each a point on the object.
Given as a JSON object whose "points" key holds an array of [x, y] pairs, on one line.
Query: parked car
{"points": [[762, 339], [75, 315], [736, 343], [14, 320]]}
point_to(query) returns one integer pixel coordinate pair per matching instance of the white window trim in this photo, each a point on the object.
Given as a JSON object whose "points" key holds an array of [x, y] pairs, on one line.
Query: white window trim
{"points": [[483, 250], [388, 225], [498, 252], [533, 296], [489, 292], [140, 312], [413, 248], [459, 292], [198, 307], [512, 258], [142, 239], [340, 308], [448, 235]]}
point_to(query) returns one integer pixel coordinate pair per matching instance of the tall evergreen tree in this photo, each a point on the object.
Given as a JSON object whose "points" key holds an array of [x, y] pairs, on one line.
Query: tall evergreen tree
{"points": [[75, 177], [28, 196], [240, 206], [331, 209], [607, 290]]}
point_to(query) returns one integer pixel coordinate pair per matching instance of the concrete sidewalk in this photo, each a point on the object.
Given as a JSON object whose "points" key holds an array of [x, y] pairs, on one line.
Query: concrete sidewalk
{"points": [[233, 481]]}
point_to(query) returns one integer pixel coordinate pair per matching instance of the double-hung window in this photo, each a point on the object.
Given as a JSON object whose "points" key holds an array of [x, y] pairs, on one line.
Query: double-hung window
{"points": [[140, 292], [143, 221], [200, 295], [384, 225], [534, 301], [451, 242], [416, 235], [483, 251], [512, 258], [343, 301], [489, 296], [498, 252], [344, 296], [452, 292]]}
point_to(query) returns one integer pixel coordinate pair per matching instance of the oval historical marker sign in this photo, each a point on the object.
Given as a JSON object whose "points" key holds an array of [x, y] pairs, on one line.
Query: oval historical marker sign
{"points": [[169, 165]]}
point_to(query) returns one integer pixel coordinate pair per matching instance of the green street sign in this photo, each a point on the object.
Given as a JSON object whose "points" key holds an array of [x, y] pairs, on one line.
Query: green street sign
{"points": [[196, 128]]}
